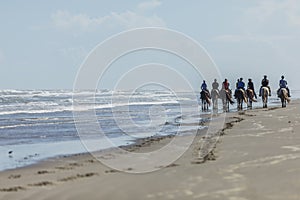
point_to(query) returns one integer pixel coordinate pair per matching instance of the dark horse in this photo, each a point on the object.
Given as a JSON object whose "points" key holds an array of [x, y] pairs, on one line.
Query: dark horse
{"points": [[214, 97], [250, 95], [264, 95], [283, 95], [226, 99], [241, 97], [205, 99]]}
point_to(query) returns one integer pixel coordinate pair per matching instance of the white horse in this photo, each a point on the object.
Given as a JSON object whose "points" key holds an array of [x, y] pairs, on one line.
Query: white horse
{"points": [[283, 95], [264, 95]]}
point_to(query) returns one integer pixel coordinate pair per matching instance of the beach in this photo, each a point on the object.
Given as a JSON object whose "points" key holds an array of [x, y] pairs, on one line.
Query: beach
{"points": [[256, 157]]}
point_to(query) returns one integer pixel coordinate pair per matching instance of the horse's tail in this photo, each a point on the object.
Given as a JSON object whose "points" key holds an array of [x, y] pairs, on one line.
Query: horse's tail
{"points": [[265, 92], [285, 95], [228, 96], [208, 100], [250, 94], [244, 95]]}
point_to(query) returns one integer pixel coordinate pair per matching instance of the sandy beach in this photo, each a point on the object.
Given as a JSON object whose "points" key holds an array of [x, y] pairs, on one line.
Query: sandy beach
{"points": [[257, 157]]}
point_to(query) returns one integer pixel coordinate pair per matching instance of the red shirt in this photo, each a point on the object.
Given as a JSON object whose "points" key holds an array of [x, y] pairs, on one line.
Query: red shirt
{"points": [[226, 85]]}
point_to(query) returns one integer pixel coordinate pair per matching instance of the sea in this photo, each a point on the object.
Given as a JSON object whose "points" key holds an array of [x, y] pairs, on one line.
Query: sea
{"points": [[39, 124]]}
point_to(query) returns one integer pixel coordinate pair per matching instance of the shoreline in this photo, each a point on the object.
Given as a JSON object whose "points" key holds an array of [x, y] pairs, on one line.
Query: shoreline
{"points": [[138, 143], [249, 140]]}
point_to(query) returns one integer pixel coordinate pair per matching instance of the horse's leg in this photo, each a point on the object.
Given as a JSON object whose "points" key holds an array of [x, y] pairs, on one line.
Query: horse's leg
{"points": [[283, 102]]}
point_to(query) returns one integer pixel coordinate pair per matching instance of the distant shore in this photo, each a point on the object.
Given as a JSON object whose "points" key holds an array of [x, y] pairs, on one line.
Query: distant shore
{"points": [[257, 158]]}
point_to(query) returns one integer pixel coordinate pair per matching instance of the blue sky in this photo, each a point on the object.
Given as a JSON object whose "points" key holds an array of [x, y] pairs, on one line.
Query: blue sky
{"points": [[43, 43]]}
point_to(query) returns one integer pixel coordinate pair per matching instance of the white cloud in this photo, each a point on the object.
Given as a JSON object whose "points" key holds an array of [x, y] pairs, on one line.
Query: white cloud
{"points": [[269, 21], [252, 38], [148, 5], [131, 19], [64, 20], [281, 13]]}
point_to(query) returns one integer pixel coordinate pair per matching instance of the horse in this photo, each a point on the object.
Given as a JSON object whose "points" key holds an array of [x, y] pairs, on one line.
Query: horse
{"points": [[214, 97], [241, 97], [283, 95], [226, 99], [250, 95], [264, 95], [204, 95]]}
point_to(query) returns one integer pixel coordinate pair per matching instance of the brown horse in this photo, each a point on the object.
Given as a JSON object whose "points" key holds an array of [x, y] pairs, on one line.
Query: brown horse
{"points": [[205, 99], [264, 95], [241, 97], [283, 95], [250, 95]]}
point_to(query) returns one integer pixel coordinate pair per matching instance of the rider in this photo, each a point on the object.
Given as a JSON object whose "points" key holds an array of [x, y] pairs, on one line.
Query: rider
{"points": [[251, 86], [225, 86], [204, 87], [265, 83], [283, 84], [240, 85], [215, 85]]}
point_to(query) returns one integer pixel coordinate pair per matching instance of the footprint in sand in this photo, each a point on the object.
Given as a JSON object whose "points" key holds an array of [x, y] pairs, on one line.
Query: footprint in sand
{"points": [[75, 165], [111, 171], [45, 172], [41, 184], [14, 176], [64, 168], [12, 189], [90, 161], [71, 178]]}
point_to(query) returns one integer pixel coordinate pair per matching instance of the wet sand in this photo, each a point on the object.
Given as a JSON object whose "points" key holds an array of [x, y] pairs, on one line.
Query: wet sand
{"points": [[257, 157]]}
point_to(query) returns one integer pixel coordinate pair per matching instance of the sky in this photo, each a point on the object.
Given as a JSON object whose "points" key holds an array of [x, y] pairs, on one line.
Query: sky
{"points": [[43, 43]]}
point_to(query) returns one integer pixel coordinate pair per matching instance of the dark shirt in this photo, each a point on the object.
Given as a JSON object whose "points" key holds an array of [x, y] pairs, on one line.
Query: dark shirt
{"points": [[215, 85], [265, 82], [251, 85]]}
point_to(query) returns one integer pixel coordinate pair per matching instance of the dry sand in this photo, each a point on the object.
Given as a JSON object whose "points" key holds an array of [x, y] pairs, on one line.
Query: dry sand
{"points": [[258, 157]]}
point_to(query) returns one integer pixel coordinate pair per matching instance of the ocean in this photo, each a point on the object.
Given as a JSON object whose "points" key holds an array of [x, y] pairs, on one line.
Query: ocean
{"points": [[39, 124]]}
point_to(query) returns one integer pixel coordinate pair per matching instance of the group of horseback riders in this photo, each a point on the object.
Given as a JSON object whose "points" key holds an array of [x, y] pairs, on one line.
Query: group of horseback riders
{"points": [[240, 85]]}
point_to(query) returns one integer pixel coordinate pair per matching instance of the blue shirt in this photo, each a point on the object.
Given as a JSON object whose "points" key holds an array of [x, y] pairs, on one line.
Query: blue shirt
{"points": [[241, 85], [203, 86], [282, 83]]}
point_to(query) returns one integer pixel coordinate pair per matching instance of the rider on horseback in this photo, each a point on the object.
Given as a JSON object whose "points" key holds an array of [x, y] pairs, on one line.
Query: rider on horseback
{"points": [[225, 86], [215, 85], [265, 83], [240, 85], [251, 86], [283, 84], [204, 88]]}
